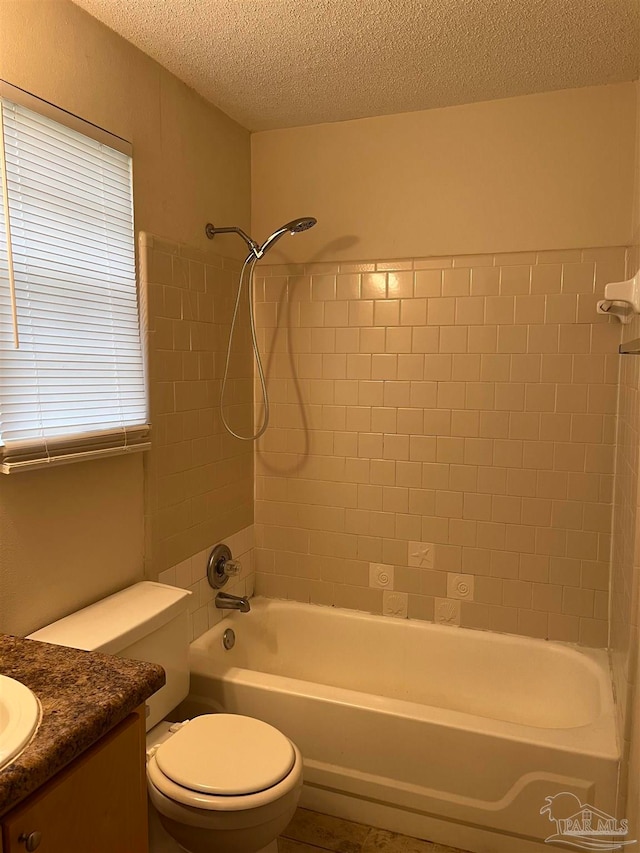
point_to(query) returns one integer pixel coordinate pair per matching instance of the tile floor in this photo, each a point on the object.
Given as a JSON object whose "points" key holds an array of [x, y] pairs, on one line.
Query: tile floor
{"points": [[311, 832]]}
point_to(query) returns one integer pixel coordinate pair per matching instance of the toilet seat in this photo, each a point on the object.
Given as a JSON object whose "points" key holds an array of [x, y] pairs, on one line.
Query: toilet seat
{"points": [[225, 762]]}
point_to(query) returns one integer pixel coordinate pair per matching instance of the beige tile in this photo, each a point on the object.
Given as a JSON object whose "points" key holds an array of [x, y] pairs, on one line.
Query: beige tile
{"points": [[561, 308], [483, 339], [474, 614], [473, 261], [400, 283], [516, 593], [329, 833], [547, 597], [534, 567], [466, 367], [578, 277], [428, 283], [530, 309], [494, 368], [382, 841], [574, 338], [373, 286], [524, 425], [485, 281], [577, 602], [558, 368], [544, 339], [453, 339], [391, 340], [413, 312], [425, 339], [503, 619], [441, 311], [533, 623], [361, 312], [594, 632], [488, 590], [513, 339], [469, 310], [432, 263], [422, 606], [499, 310], [565, 628], [546, 278], [515, 279], [456, 282], [348, 286]]}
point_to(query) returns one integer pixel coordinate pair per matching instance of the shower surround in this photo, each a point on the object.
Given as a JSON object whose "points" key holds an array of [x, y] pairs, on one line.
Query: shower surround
{"points": [[442, 439]]}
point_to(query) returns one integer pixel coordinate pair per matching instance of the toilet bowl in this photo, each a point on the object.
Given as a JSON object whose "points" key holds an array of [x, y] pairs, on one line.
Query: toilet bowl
{"points": [[222, 782]]}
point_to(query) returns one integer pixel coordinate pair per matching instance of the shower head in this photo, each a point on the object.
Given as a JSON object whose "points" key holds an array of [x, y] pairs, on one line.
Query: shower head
{"points": [[303, 224], [293, 227]]}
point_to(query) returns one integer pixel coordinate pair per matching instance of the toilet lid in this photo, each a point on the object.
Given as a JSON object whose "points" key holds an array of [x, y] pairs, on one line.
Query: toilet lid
{"points": [[226, 754]]}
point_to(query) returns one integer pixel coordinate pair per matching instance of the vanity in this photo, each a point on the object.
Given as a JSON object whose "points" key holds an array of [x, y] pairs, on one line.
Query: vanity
{"points": [[80, 783]]}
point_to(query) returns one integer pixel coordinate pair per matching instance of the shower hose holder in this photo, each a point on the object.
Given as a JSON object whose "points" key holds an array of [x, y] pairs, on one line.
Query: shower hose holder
{"points": [[621, 299]]}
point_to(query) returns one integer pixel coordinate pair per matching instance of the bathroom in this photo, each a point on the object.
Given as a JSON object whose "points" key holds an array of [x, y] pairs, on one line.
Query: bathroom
{"points": [[453, 432]]}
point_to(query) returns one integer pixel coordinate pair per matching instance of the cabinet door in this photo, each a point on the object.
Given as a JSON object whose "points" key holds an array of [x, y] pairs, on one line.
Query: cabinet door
{"points": [[98, 804]]}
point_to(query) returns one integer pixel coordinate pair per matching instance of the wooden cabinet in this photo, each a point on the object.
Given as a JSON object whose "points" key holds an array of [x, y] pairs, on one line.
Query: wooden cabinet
{"points": [[98, 804]]}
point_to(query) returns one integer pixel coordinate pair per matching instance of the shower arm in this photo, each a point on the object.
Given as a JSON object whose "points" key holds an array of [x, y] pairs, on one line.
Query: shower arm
{"points": [[211, 231]]}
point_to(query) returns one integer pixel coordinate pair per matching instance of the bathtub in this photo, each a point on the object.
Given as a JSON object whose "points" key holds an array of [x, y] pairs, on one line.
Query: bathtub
{"points": [[444, 733]]}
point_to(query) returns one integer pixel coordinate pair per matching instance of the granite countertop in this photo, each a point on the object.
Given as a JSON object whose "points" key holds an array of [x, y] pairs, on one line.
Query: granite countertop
{"points": [[83, 695]]}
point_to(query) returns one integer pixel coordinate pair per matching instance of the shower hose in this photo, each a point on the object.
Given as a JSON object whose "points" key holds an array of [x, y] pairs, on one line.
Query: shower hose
{"points": [[249, 265]]}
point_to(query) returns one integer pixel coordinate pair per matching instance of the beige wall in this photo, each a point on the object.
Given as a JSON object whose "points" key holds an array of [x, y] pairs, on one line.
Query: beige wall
{"points": [[542, 171], [73, 534]]}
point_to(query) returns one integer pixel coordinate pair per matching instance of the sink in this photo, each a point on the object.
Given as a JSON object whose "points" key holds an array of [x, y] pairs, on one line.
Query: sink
{"points": [[19, 718]]}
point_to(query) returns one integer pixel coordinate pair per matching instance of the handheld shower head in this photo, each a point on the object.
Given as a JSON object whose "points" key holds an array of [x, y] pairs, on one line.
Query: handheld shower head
{"points": [[303, 224], [293, 227]]}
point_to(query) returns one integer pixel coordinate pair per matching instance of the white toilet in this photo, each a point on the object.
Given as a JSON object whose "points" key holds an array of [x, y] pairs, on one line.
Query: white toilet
{"points": [[219, 782]]}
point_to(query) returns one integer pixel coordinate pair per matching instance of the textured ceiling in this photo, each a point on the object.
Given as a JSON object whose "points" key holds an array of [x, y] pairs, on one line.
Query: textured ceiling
{"points": [[281, 63]]}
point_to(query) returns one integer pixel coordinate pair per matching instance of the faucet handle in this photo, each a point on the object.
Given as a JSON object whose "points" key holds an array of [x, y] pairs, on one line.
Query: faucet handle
{"points": [[232, 568], [221, 566]]}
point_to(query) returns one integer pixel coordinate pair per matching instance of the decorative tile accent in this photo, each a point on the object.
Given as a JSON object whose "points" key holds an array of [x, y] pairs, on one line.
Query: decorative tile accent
{"points": [[421, 555], [395, 604], [447, 612], [381, 576], [460, 586]]}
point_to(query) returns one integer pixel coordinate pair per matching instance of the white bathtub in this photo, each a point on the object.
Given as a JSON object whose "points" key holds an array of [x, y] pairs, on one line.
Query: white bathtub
{"points": [[444, 733]]}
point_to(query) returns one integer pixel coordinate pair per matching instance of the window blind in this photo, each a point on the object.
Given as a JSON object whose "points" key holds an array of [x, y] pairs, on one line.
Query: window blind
{"points": [[75, 385]]}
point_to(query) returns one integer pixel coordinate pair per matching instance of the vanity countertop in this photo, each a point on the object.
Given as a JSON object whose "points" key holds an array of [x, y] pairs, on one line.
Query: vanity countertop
{"points": [[83, 696]]}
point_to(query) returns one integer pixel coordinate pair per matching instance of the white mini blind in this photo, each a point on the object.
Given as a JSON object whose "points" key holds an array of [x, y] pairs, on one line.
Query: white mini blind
{"points": [[75, 384]]}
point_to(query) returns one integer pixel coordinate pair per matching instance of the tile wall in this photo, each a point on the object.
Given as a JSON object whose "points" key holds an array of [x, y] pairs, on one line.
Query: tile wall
{"points": [[191, 574], [199, 480], [625, 551], [442, 439]]}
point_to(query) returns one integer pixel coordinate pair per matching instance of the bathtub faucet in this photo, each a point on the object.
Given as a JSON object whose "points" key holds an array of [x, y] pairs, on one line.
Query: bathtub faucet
{"points": [[225, 601]]}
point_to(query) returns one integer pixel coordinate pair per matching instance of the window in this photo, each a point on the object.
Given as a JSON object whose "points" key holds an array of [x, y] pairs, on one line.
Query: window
{"points": [[72, 378]]}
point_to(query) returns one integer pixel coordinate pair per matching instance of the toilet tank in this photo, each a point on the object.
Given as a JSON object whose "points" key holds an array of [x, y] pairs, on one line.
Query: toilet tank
{"points": [[147, 621]]}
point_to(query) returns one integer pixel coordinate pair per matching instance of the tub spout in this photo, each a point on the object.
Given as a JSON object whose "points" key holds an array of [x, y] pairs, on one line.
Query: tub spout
{"points": [[225, 601]]}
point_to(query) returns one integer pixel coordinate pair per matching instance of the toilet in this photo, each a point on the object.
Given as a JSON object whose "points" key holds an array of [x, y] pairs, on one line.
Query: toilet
{"points": [[222, 782]]}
